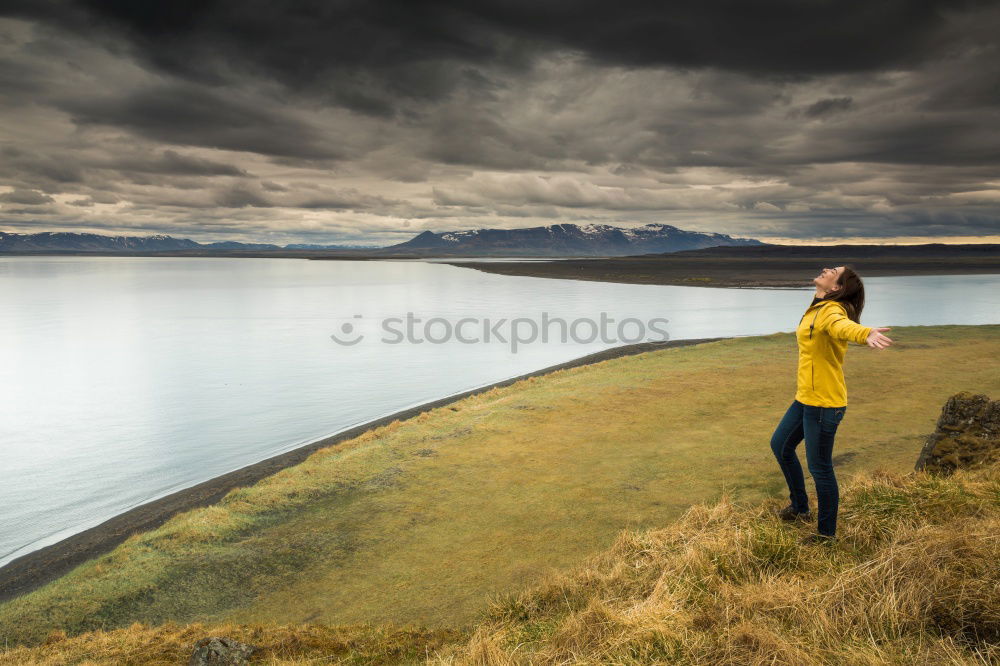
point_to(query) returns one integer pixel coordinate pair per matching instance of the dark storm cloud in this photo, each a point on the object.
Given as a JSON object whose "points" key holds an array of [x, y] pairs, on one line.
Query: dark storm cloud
{"points": [[827, 106], [782, 117], [20, 166], [174, 163], [302, 43], [242, 196], [186, 114], [103, 198], [30, 197], [377, 52], [833, 224], [347, 200], [239, 197]]}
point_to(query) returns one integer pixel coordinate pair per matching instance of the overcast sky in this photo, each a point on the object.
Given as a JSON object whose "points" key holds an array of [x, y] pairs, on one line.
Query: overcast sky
{"points": [[370, 121]]}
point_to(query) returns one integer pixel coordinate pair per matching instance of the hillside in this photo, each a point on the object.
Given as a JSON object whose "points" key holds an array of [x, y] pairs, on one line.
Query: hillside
{"points": [[456, 528], [915, 579]]}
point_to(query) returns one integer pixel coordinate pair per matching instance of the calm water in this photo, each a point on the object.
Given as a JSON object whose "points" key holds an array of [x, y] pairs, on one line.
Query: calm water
{"points": [[123, 379]]}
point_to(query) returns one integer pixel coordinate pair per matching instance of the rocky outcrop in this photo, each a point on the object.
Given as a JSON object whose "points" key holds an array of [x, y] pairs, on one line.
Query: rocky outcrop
{"points": [[216, 650], [967, 435]]}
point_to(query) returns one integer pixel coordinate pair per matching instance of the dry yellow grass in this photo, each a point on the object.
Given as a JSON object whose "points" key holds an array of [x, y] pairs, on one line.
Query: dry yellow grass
{"points": [[915, 579], [169, 643]]}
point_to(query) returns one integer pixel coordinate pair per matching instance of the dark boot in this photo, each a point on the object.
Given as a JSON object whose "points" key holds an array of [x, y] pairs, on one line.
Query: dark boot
{"points": [[789, 514]]}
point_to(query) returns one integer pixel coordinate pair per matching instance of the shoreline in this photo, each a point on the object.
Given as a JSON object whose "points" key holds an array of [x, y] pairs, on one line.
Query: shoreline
{"points": [[721, 274], [33, 570]]}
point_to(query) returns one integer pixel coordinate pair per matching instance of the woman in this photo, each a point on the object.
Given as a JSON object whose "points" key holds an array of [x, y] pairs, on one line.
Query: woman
{"points": [[821, 394]]}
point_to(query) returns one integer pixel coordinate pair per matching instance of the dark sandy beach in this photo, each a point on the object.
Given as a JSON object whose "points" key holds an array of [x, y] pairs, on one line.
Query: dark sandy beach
{"points": [[34, 569]]}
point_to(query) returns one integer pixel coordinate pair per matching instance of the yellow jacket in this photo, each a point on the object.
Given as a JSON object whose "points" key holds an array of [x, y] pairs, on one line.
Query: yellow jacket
{"points": [[822, 335]]}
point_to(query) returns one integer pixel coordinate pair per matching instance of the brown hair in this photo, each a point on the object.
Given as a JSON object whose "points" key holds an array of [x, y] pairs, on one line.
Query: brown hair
{"points": [[851, 292]]}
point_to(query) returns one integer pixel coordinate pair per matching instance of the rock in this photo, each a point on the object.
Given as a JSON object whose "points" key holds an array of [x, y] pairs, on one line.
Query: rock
{"points": [[967, 435], [220, 650]]}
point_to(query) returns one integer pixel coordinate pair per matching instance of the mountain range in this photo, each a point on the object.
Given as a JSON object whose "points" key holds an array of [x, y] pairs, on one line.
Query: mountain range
{"points": [[555, 240], [74, 242], [570, 240]]}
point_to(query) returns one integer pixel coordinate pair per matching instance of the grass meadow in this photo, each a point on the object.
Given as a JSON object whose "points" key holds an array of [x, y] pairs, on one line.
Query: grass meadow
{"points": [[610, 511]]}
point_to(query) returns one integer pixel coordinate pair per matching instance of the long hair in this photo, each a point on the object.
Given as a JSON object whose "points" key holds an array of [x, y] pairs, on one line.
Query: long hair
{"points": [[851, 292]]}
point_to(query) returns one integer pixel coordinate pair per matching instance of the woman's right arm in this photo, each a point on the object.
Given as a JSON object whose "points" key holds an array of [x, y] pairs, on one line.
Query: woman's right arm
{"points": [[836, 323]]}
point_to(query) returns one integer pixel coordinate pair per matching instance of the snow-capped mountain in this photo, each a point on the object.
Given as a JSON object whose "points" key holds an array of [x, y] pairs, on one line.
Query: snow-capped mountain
{"points": [[552, 241], [570, 239]]}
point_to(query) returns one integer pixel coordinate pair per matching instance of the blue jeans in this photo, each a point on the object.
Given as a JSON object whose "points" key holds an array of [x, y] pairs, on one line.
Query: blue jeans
{"points": [[817, 425]]}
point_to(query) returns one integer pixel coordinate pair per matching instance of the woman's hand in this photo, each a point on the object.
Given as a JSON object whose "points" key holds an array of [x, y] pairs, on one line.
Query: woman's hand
{"points": [[878, 341]]}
